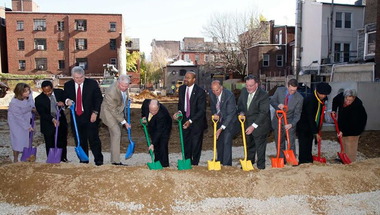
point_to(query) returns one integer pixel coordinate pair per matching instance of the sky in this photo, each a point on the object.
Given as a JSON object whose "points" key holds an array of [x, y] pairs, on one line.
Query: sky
{"points": [[172, 19]]}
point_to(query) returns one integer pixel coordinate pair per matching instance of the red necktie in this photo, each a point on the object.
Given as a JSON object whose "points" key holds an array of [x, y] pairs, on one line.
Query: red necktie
{"points": [[287, 99], [79, 101]]}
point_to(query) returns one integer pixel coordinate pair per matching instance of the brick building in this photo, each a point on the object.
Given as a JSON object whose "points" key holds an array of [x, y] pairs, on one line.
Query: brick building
{"points": [[53, 43], [3, 42]]}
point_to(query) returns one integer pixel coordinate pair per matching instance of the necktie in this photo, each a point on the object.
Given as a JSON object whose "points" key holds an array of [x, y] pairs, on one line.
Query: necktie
{"points": [[53, 102], [79, 101], [287, 99], [249, 100], [150, 117], [125, 104], [218, 107], [188, 102]]}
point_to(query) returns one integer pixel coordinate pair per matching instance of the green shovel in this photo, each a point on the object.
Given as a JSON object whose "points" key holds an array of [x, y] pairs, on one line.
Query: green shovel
{"points": [[183, 164], [154, 165]]}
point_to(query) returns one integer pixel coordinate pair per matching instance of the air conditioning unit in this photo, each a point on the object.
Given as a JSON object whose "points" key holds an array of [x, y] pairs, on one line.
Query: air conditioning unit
{"points": [[80, 28], [40, 67], [40, 28], [112, 29], [81, 47], [40, 47]]}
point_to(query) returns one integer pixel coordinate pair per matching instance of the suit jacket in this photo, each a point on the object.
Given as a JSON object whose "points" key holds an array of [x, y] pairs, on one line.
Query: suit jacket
{"points": [[113, 106], [197, 106], [44, 110], [293, 114], [309, 110], [160, 124], [227, 109], [91, 97], [258, 111]]}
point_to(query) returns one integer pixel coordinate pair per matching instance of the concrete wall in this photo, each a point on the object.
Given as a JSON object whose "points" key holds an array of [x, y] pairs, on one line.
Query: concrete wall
{"points": [[353, 72]]}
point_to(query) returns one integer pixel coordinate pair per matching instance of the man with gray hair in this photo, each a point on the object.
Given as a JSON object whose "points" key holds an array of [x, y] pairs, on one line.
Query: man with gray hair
{"points": [[86, 94], [113, 114]]}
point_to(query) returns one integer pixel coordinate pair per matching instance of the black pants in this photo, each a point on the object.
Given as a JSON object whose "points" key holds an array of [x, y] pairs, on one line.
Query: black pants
{"points": [[193, 139], [61, 141], [89, 133], [305, 147], [224, 148], [257, 144], [161, 152]]}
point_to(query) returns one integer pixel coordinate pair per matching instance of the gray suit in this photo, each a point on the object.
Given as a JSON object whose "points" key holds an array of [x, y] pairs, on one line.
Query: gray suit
{"points": [[293, 115], [228, 118], [258, 113]]}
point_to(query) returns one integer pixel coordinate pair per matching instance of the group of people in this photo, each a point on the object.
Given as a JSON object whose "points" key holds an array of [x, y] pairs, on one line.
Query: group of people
{"points": [[303, 117]]}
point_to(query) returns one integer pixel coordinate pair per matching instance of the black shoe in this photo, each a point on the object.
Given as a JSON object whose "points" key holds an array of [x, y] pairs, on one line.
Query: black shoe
{"points": [[98, 164], [119, 164], [83, 161], [64, 160]]}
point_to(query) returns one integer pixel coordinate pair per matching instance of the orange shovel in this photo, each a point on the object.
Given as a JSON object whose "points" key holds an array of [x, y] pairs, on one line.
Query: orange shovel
{"points": [[289, 154], [278, 162], [246, 165]]}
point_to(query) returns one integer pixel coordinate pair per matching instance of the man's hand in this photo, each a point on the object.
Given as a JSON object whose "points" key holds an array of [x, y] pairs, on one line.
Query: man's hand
{"points": [[340, 134], [186, 125], [61, 104], [55, 122], [242, 116], [175, 116], [280, 106], [319, 138], [151, 147], [144, 120], [93, 117], [127, 125], [218, 132], [249, 130], [69, 102], [288, 126]]}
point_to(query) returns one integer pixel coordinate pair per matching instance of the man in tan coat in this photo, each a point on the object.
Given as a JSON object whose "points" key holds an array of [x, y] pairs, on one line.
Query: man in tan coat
{"points": [[113, 116]]}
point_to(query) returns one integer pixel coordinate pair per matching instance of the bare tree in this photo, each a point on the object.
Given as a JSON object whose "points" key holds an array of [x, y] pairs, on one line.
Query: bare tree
{"points": [[233, 34]]}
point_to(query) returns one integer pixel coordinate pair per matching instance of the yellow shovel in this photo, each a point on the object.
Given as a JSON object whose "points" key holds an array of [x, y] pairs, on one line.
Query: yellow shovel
{"points": [[245, 164], [214, 165]]}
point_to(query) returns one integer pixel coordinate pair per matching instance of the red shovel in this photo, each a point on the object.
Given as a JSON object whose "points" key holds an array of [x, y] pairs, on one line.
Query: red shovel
{"points": [[343, 156], [319, 158]]}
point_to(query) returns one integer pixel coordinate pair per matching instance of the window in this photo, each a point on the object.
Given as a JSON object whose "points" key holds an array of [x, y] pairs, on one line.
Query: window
{"points": [[112, 26], [206, 58], [81, 25], [80, 44], [182, 72], [343, 20], [341, 52], [21, 44], [39, 25], [113, 44], [60, 25], [20, 25], [61, 45], [40, 44], [113, 61], [279, 60], [212, 57], [370, 43], [41, 63], [2, 21], [265, 60], [61, 64], [197, 58], [128, 44], [280, 37], [21, 64], [187, 58], [82, 62]]}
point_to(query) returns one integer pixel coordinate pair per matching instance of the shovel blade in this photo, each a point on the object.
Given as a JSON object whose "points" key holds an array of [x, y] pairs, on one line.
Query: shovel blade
{"points": [[319, 159], [290, 157], [277, 162], [184, 164], [29, 154], [214, 165], [81, 154], [155, 165], [344, 158], [246, 165], [130, 150], [54, 156]]}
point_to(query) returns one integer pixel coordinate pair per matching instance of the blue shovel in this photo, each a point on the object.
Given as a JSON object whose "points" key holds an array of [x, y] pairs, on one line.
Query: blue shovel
{"points": [[80, 153], [131, 146]]}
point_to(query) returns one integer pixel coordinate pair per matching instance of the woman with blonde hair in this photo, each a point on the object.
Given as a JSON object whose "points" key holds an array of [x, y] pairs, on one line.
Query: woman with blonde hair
{"points": [[19, 115]]}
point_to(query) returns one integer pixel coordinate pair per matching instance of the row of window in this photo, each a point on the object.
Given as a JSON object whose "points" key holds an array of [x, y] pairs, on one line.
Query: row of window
{"points": [[40, 44], [279, 60], [343, 20], [207, 58], [41, 63], [40, 25]]}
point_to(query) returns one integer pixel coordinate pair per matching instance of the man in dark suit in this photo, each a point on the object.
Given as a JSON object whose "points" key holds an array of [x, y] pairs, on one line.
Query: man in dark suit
{"points": [[159, 127], [287, 96], [253, 104], [223, 106], [86, 94], [192, 104], [46, 107]]}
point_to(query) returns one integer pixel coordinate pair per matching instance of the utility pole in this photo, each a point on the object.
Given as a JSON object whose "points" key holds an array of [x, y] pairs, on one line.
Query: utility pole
{"points": [[297, 45]]}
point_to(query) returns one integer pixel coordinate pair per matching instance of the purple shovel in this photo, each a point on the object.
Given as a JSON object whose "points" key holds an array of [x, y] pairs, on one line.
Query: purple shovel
{"points": [[55, 153], [29, 154]]}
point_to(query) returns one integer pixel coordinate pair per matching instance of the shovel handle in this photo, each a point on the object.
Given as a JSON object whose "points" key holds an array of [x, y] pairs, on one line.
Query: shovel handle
{"points": [[179, 117], [147, 138], [333, 116], [279, 114], [215, 119], [72, 108], [241, 118]]}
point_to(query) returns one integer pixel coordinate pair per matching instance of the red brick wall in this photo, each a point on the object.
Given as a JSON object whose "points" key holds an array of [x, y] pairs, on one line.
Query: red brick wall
{"points": [[98, 36]]}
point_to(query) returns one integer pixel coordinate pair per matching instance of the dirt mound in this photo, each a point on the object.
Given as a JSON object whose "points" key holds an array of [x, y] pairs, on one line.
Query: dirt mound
{"points": [[146, 94]]}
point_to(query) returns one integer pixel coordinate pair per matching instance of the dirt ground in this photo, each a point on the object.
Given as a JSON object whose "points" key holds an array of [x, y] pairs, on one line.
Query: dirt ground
{"points": [[70, 188]]}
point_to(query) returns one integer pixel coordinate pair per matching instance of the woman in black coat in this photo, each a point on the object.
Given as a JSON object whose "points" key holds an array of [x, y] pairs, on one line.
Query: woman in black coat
{"points": [[352, 119]]}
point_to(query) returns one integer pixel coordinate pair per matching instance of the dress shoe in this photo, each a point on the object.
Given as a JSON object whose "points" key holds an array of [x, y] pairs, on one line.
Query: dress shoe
{"points": [[64, 160], [98, 164], [119, 164]]}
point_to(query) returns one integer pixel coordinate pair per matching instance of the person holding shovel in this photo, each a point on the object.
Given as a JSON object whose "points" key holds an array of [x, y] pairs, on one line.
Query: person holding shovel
{"points": [[352, 119], [159, 128], [46, 107], [309, 125], [113, 114], [223, 107], [293, 100]]}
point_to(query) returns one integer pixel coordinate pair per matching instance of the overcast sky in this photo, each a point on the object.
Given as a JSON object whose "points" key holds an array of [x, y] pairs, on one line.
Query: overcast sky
{"points": [[172, 19]]}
